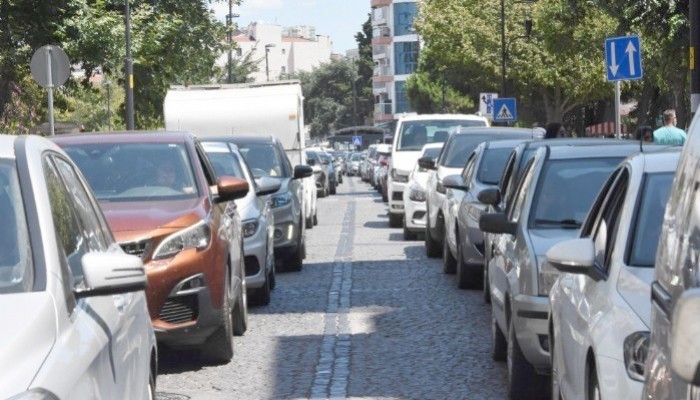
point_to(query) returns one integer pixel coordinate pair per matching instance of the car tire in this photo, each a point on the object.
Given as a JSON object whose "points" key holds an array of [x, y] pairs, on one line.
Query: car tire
{"points": [[340, 178], [395, 220], [556, 391], [385, 197], [499, 344], [297, 260], [332, 189], [449, 262], [309, 222], [407, 234], [523, 381], [467, 278], [486, 285], [315, 217], [273, 273], [593, 389], [240, 313], [262, 295], [218, 348], [432, 247], [151, 385]]}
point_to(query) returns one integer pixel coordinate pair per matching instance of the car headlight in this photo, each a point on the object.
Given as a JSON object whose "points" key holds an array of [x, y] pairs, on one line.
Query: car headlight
{"points": [[35, 394], [417, 193], [196, 236], [280, 200], [636, 349], [547, 276], [396, 177], [440, 188], [250, 227]]}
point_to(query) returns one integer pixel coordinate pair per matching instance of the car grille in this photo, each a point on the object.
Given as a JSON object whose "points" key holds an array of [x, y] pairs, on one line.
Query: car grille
{"points": [[178, 310], [252, 266], [397, 196], [139, 249]]}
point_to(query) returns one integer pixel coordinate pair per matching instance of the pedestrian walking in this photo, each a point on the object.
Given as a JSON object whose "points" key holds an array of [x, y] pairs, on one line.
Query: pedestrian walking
{"points": [[555, 130], [669, 133]]}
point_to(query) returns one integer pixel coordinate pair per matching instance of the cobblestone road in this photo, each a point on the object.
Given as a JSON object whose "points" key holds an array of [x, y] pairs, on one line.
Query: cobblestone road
{"points": [[369, 317]]}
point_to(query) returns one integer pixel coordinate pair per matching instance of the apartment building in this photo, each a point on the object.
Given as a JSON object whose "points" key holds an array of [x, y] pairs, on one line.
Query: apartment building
{"points": [[395, 48]]}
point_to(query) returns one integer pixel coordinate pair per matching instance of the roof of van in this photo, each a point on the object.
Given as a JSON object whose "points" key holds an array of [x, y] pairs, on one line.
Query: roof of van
{"points": [[424, 117]]}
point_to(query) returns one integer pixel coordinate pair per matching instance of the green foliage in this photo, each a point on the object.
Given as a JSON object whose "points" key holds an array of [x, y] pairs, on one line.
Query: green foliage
{"points": [[241, 68], [87, 104], [427, 95]]}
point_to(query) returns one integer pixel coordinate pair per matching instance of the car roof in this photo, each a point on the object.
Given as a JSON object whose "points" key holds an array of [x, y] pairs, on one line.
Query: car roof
{"points": [[119, 137], [433, 145], [239, 139], [558, 152], [7, 146], [660, 161], [504, 144], [494, 130], [427, 117]]}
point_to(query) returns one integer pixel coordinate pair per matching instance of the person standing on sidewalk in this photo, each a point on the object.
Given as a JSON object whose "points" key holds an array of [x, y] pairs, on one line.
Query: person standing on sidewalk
{"points": [[669, 133]]}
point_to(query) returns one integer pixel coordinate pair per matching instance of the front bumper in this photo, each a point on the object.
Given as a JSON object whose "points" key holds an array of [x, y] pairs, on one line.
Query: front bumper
{"points": [[395, 194], [415, 213], [530, 316], [255, 250], [614, 381], [286, 226]]}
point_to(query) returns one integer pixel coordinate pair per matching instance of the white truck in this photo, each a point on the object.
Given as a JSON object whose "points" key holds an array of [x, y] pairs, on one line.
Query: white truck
{"points": [[254, 109]]}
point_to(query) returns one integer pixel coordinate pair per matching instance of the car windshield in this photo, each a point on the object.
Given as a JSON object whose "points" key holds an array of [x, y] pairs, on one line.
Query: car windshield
{"points": [[416, 134], [136, 171], [16, 273], [225, 164], [650, 217], [432, 152], [263, 160], [566, 190], [458, 149], [356, 157], [492, 164]]}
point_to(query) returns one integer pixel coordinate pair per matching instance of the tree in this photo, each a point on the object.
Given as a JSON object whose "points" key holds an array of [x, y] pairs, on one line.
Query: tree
{"points": [[241, 68], [365, 71]]}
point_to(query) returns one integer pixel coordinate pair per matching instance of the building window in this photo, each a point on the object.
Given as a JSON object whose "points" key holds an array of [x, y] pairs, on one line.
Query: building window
{"points": [[406, 56], [402, 103], [284, 69], [239, 52], [404, 14], [284, 51]]}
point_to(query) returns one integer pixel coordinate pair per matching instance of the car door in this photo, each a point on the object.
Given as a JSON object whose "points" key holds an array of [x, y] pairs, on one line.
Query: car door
{"points": [[453, 202], [98, 334], [466, 202]]}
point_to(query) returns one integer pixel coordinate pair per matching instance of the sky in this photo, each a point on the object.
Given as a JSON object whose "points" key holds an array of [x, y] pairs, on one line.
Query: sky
{"points": [[339, 19]]}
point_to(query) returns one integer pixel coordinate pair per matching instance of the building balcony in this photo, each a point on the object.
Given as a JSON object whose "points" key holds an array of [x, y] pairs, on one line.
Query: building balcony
{"points": [[379, 88], [383, 70], [382, 109], [380, 16], [381, 3], [381, 32]]}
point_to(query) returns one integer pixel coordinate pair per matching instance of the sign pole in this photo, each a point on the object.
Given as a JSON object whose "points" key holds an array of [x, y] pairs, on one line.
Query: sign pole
{"points": [[618, 122], [49, 79]]}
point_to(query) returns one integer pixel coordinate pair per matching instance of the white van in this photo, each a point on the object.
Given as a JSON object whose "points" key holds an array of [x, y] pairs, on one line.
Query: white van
{"points": [[412, 133]]}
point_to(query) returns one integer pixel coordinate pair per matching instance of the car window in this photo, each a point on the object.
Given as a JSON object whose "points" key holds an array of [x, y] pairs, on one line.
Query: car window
{"points": [[521, 192], [567, 189], [432, 152], [226, 164], [606, 228], [263, 160], [16, 267], [507, 175], [356, 157], [458, 149], [491, 167], [415, 134], [137, 171], [208, 170], [597, 207], [650, 215], [468, 170]]}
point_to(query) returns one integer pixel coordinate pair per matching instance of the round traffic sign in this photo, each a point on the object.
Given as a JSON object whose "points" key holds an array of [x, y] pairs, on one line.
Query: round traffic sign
{"points": [[60, 66]]}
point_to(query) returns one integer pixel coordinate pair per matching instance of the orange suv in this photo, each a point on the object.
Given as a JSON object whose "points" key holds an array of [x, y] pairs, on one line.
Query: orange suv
{"points": [[164, 203]]}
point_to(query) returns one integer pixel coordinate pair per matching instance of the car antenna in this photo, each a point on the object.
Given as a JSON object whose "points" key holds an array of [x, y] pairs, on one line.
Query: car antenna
{"points": [[641, 143]]}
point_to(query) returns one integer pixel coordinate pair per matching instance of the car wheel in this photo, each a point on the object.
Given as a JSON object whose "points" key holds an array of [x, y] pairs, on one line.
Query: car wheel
{"points": [[407, 234], [593, 385], [556, 391], [151, 385], [432, 247], [218, 348], [467, 278], [385, 197], [261, 296], [240, 313], [309, 221], [340, 178], [499, 345], [297, 260], [315, 217], [449, 262], [273, 273], [333, 185], [523, 381], [395, 220], [486, 284]]}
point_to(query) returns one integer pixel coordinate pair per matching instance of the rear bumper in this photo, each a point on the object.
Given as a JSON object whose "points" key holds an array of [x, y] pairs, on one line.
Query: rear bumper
{"points": [[530, 316]]}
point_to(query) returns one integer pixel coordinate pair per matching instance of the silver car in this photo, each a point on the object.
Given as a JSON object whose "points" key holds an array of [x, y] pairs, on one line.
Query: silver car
{"points": [[72, 303], [256, 216], [551, 201]]}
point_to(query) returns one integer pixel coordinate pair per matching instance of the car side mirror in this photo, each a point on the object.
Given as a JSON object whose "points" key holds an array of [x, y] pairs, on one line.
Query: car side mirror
{"points": [[311, 162], [267, 186], [383, 162], [575, 256], [497, 223], [426, 163], [685, 330], [490, 197], [454, 182], [325, 162], [230, 188], [302, 171], [108, 273]]}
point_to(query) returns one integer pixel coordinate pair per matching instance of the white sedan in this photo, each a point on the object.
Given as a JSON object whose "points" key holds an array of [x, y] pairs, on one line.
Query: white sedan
{"points": [[75, 322], [415, 194], [600, 306]]}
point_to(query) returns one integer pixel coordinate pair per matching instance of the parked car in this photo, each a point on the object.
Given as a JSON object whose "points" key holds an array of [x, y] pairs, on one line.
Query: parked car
{"points": [[458, 147], [414, 194], [368, 163], [412, 133], [265, 157], [66, 286], [673, 357], [383, 152], [383, 176], [328, 165], [352, 167], [154, 189], [599, 307], [257, 221], [463, 249], [323, 184], [552, 199]]}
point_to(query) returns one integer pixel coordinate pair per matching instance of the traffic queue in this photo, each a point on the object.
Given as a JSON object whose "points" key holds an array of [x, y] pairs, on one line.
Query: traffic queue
{"points": [[585, 249]]}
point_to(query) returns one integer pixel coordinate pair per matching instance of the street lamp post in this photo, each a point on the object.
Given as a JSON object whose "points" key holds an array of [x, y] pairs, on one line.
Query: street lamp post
{"points": [[229, 26], [504, 50], [108, 86], [129, 70], [267, 65]]}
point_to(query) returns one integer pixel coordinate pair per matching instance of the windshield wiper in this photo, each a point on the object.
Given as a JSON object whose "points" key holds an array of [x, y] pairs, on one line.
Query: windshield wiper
{"points": [[566, 223]]}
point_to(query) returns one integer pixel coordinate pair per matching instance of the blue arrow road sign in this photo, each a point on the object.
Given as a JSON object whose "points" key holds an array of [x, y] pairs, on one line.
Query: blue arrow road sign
{"points": [[505, 110], [623, 58], [357, 141]]}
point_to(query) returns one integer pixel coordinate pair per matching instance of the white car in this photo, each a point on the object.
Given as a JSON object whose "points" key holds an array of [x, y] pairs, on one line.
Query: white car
{"points": [[72, 303], [258, 223], [412, 133], [414, 194], [600, 307]]}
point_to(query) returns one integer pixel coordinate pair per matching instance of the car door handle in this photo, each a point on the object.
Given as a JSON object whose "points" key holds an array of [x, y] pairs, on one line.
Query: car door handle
{"points": [[661, 298]]}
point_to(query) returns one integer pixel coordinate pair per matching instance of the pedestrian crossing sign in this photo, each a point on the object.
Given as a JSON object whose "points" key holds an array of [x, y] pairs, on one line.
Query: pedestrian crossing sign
{"points": [[505, 110], [357, 141]]}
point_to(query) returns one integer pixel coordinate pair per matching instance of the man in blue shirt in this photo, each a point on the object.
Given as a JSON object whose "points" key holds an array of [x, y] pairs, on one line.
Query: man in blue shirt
{"points": [[669, 134]]}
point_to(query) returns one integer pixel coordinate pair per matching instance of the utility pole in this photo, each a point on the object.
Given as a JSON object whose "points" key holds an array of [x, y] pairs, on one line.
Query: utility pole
{"points": [[229, 36], [504, 92], [694, 44], [129, 70]]}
